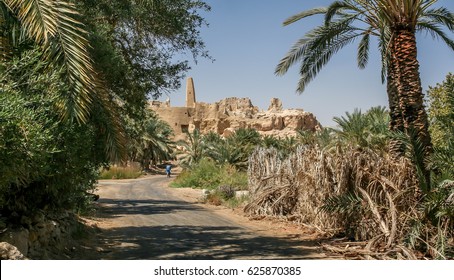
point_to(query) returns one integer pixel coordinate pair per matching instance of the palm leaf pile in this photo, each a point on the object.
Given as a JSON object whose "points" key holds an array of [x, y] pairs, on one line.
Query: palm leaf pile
{"points": [[369, 198]]}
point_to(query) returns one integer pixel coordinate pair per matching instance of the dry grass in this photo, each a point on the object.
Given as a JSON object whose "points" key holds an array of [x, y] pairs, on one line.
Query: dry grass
{"points": [[299, 187], [121, 172]]}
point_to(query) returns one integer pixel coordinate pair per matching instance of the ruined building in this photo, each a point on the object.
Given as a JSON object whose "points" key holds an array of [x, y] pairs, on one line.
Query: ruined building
{"points": [[229, 114]]}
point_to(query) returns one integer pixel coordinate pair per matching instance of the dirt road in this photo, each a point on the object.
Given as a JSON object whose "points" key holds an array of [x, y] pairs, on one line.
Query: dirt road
{"points": [[145, 219]]}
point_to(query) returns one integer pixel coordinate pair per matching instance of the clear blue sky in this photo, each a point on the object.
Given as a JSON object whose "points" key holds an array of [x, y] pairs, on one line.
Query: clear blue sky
{"points": [[246, 38]]}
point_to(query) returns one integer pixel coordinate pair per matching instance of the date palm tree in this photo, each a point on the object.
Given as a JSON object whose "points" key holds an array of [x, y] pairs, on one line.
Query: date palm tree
{"points": [[154, 144], [54, 27], [194, 149], [395, 23], [404, 18]]}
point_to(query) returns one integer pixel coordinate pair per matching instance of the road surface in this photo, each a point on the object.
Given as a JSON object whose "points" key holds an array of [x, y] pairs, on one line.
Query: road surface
{"points": [[145, 219]]}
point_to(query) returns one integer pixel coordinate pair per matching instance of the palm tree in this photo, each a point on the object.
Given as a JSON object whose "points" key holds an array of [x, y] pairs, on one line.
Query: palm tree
{"points": [[353, 128], [54, 28], [395, 23], [364, 130], [194, 149], [228, 152], [154, 144], [403, 19], [53, 25]]}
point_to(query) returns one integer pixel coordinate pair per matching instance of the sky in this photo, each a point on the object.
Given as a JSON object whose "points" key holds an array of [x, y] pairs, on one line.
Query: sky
{"points": [[246, 38]]}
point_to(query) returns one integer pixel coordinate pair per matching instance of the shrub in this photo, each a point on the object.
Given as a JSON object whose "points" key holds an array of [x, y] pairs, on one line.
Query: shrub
{"points": [[120, 172], [226, 192], [45, 163], [207, 175]]}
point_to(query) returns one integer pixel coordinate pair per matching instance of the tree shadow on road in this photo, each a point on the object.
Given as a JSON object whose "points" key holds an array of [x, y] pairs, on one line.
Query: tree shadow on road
{"points": [[201, 242], [113, 208], [176, 236]]}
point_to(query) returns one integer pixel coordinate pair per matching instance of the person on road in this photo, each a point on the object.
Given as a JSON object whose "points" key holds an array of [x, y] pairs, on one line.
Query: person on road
{"points": [[168, 169]]}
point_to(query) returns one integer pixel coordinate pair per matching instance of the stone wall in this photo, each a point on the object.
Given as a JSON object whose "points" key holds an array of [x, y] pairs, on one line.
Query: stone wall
{"points": [[38, 233], [180, 119]]}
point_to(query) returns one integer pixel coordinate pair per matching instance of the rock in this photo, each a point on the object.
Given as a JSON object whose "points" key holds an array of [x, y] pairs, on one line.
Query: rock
{"points": [[26, 221], [205, 193], [10, 252], [18, 238], [228, 131], [241, 194], [38, 218], [230, 114], [275, 105]]}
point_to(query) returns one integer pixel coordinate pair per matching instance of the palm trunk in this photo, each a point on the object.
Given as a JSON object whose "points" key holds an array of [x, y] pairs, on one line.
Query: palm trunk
{"points": [[396, 120], [411, 97]]}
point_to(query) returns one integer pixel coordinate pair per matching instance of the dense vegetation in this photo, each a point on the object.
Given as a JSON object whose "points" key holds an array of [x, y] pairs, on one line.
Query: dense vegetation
{"points": [[339, 180], [395, 24], [74, 80], [75, 77], [427, 224]]}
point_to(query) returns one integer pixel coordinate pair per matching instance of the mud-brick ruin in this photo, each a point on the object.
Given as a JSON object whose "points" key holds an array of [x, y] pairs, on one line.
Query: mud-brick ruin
{"points": [[229, 114]]}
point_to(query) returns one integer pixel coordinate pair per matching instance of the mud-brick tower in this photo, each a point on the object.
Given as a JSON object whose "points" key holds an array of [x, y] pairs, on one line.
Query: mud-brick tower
{"points": [[190, 93]]}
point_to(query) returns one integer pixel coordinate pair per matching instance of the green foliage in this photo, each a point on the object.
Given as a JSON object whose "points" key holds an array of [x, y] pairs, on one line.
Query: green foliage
{"points": [[91, 64], [233, 150], [149, 140], [441, 112], [287, 145], [228, 152], [435, 230], [208, 175], [441, 115], [45, 163], [347, 203], [248, 137], [204, 174], [194, 149], [53, 27], [322, 138], [120, 172], [364, 130], [138, 45]]}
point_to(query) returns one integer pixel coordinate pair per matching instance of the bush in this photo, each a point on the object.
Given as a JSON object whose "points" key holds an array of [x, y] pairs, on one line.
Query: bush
{"points": [[226, 192], [45, 163], [207, 175], [120, 172]]}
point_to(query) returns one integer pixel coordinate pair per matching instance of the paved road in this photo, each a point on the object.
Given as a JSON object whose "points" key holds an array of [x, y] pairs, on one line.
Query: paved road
{"points": [[145, 220]]}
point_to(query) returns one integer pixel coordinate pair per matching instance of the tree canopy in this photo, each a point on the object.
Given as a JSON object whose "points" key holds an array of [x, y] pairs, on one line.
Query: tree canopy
{"points": [[73, 76]]}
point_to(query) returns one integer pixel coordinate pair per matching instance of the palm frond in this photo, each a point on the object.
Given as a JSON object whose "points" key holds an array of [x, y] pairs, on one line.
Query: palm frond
{"points": [[363, 50], [415, 151], [113, 129], [293, 56], [304, 14], [348, 203], [324, 42], [436, 32], [54, 25], [336, 8], [442, 16]]}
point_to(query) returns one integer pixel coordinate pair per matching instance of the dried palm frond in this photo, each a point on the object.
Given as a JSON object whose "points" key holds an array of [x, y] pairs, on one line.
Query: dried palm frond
{"points": [[356, 192]]}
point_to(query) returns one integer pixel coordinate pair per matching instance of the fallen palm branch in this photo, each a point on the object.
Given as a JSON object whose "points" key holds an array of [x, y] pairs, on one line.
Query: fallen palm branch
{"points": [[358, 193]]}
